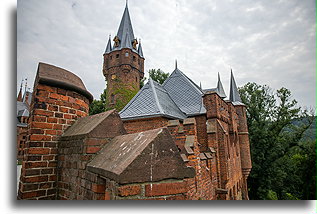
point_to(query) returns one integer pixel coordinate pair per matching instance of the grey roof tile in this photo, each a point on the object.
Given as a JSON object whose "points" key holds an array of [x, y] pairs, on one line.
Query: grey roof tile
{"points": [[185, 93], [152, 100], [220, 90], [125, 31], [234, 93], [140, 52], [109, 47], [21, 106]]}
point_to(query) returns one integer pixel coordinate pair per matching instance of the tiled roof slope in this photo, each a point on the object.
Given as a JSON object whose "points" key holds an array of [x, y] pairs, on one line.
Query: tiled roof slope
{"points": [[185, 93], [152, 100]]}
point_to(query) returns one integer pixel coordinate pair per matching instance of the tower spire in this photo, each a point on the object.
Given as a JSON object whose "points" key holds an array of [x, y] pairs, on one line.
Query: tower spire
{"points": [[109, 47], [176, 64], [220, 90], [234, 94], [140, 51], [125, 30], [20, 93]]}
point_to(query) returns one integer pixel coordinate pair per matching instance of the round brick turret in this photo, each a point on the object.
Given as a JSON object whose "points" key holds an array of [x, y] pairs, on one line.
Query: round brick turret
{"points": [[59, 98]]}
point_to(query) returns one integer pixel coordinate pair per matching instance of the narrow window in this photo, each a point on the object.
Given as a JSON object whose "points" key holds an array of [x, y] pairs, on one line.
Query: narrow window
{"points": [[134, 58], [117, 56]]}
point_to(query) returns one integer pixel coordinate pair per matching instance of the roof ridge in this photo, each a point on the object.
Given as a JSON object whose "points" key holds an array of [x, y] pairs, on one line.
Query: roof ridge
{"points": [[155, 96]]}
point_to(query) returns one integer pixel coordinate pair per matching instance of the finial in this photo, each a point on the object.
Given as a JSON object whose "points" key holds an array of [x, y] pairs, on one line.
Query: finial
{"points": [[175, 63], [126, 3], [26, 84]]}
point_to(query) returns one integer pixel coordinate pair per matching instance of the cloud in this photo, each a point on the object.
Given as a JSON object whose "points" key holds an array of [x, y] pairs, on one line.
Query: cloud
{"points": [[268, 42]]}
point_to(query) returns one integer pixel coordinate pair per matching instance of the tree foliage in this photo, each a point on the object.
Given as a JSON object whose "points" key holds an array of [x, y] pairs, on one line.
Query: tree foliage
{"points": [[98, 106], [279, 158], [158, 75]]}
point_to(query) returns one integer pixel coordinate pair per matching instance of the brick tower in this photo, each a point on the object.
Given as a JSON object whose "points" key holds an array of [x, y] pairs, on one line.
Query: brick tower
{"points": [[123, 65]]}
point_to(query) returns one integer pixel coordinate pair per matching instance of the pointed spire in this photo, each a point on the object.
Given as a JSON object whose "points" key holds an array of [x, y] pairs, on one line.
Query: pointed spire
{"points": [[128, 42], [220, 90], [140, 52], [125, 28], [200, 86], [109, 47], [176, 64], [234, 94], [20, 93]]}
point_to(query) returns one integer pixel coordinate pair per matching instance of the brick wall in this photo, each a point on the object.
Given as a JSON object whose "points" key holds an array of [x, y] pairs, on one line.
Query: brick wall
{"points": [[133, 126], [74, 181], [53, 109], [164, 190]]}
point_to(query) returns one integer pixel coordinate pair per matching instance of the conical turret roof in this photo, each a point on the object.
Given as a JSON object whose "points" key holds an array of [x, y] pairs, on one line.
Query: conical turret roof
{"points": [[220, 90], [234, 93]]}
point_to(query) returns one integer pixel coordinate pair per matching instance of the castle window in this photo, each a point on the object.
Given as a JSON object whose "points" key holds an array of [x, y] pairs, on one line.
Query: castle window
{"points": [[126, 54], [110, 57], [136, 79], [134, 58], [117, 56]]}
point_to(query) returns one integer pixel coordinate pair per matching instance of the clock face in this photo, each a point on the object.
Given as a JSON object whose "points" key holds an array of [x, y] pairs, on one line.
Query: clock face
{"points": [[113, 76]]}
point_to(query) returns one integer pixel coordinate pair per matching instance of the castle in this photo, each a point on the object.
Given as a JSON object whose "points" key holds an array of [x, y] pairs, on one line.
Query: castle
{"points": [[173, 141]]}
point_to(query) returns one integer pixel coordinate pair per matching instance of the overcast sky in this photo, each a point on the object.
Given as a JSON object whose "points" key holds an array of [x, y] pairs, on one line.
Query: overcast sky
{"points": [[267, 42]]}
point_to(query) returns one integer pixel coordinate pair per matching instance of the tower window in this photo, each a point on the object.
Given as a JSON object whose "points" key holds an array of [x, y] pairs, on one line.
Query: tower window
{"points": [[126, 54], [117, 56], [110, 57], [136, 79], [134, 58]]}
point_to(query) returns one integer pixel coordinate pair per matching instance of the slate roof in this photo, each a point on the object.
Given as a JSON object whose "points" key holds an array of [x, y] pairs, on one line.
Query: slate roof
{"points": [[21, 106], [234, 93], [109, 47], [178, 98], [151, 101], [185, 93]]}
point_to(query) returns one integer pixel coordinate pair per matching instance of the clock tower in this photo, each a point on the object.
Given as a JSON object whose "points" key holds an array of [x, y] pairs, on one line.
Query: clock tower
{"points": [[123, 65]]}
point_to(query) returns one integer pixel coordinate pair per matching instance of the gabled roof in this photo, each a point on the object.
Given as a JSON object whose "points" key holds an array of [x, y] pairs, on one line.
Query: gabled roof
{"points": [[185, 93], [151, 101], [234, 93]]}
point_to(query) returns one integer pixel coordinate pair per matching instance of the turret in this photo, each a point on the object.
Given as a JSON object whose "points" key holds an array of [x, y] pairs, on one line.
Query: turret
{"points": [[123, 65]]}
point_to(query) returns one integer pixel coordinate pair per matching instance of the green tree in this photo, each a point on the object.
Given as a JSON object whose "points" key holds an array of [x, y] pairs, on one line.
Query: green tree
{"points": [[98, 106], [158, 75], [272, 139]]}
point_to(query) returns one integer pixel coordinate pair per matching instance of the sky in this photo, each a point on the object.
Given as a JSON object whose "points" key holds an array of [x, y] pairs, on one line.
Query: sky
{"points": [[268, 42]]}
